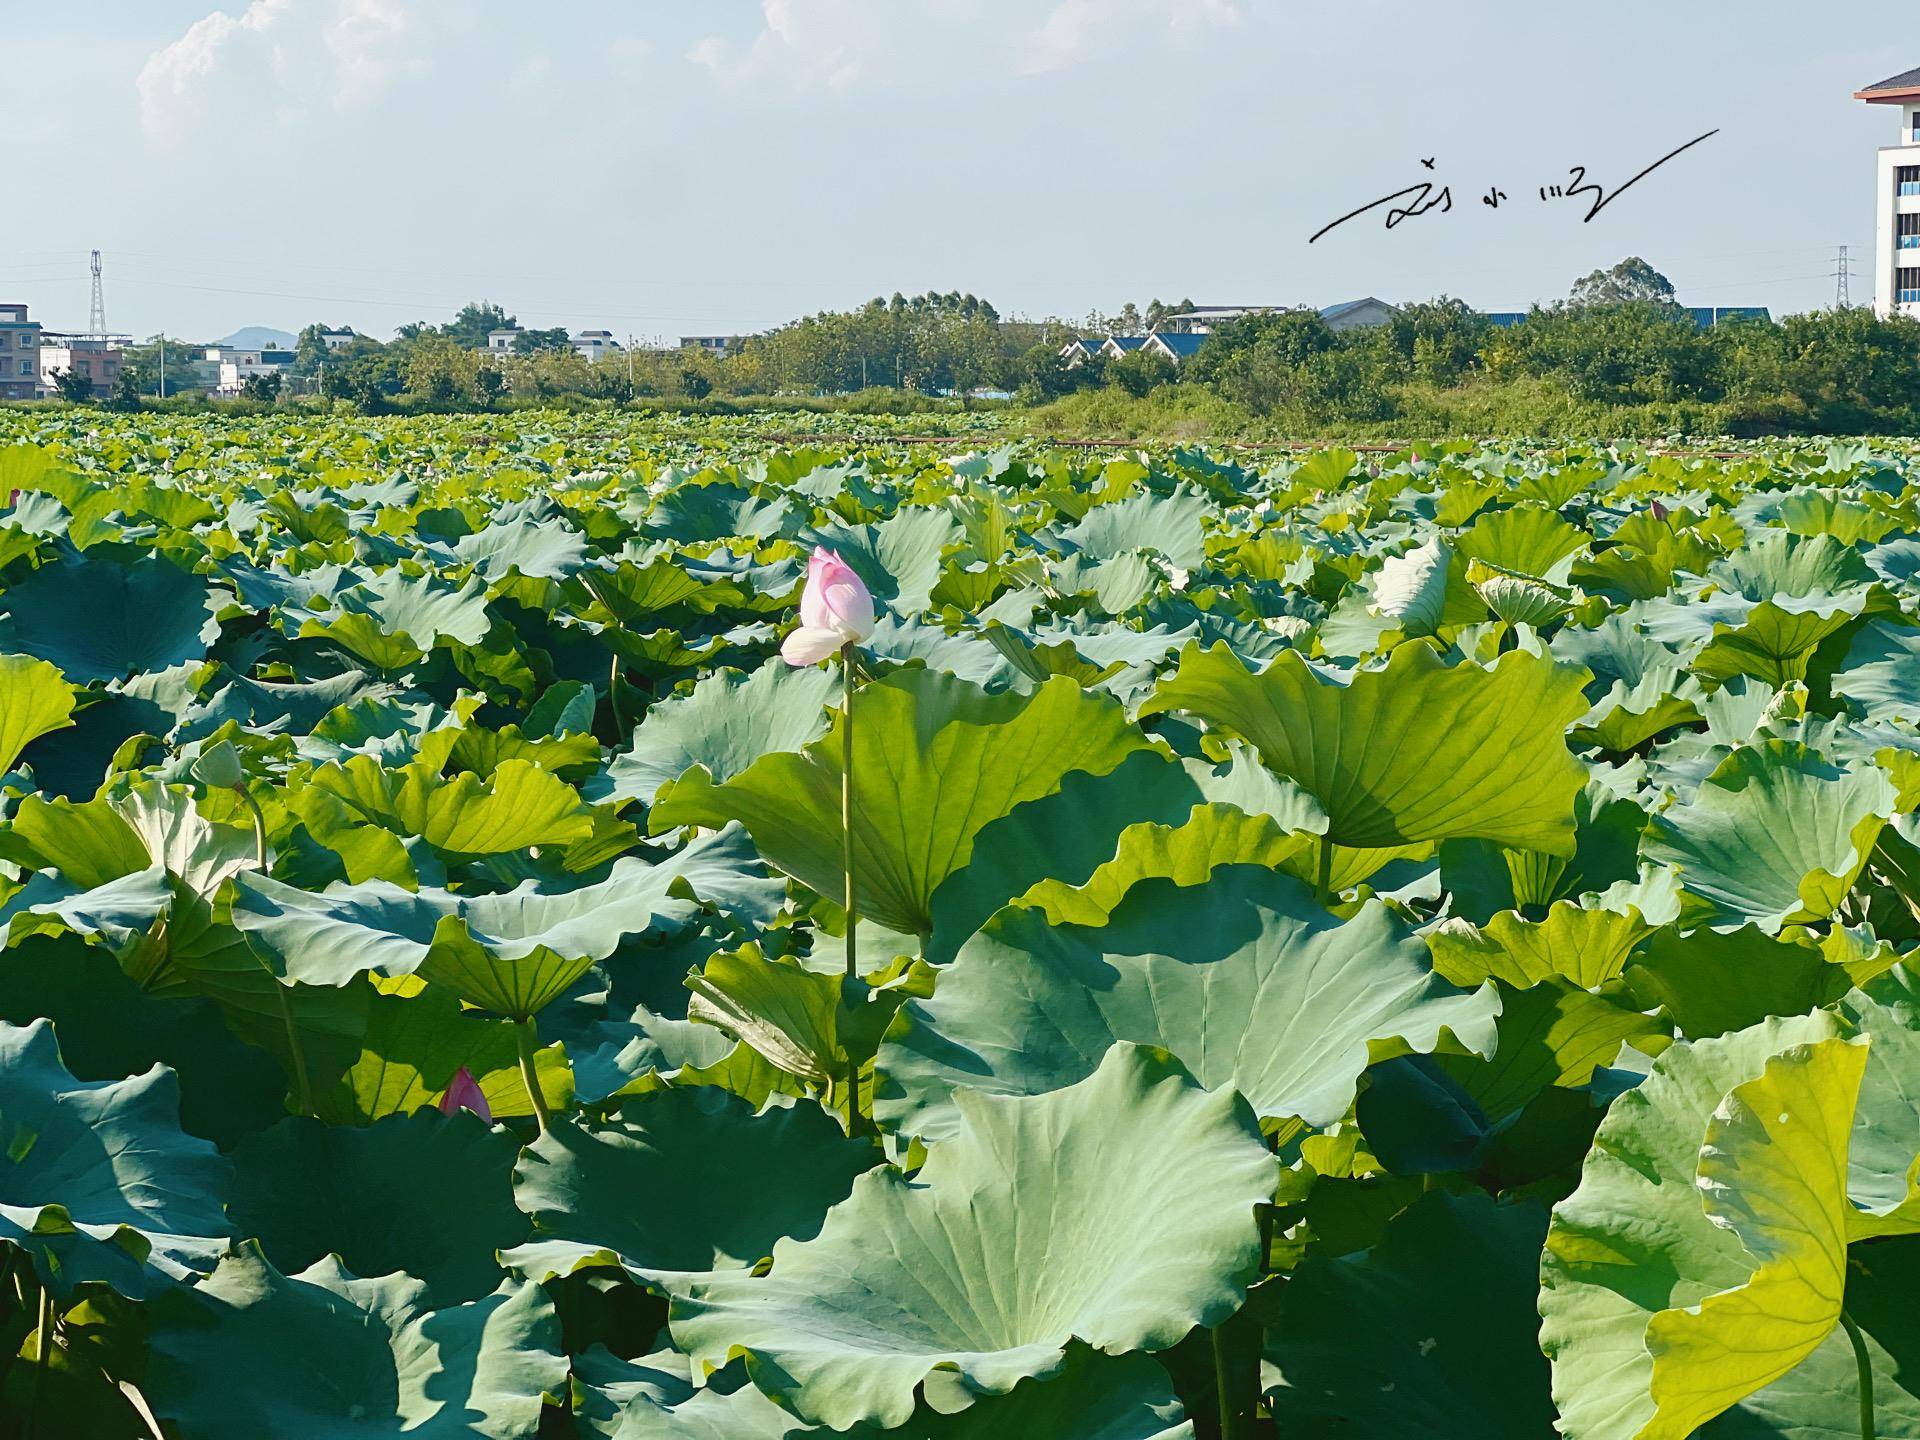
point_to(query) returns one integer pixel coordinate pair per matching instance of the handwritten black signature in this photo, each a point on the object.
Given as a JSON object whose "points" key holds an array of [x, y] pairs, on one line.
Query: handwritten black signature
{"points": [[1423, 197]]}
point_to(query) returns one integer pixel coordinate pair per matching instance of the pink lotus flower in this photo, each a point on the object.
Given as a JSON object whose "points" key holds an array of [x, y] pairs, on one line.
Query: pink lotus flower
{"points": [[463, 1093], [835, 610]]}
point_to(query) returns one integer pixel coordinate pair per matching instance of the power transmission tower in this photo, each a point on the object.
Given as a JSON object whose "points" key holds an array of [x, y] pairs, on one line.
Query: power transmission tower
{"points": [[97, 308], [1842, 271]]}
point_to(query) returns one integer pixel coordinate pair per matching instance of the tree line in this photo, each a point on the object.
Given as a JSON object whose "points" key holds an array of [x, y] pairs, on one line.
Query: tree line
{"points": [[1619, 343]]}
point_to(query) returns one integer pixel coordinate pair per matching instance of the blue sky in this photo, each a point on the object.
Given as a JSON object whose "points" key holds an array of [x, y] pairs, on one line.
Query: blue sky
{"points": [[663, 168]]}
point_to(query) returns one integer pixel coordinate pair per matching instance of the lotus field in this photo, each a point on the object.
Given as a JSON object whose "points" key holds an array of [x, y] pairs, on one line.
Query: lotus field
{"points": [[550, 926]]}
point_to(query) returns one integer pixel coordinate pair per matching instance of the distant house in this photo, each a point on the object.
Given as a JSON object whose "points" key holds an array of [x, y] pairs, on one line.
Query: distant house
{"points": [[1077, 352], [97, 357], [234, 367], [337, 339], [19, 354], [501, 342], [1347, 315], [1115, 347], [595, 345], [718, 346], [1176, 346]]}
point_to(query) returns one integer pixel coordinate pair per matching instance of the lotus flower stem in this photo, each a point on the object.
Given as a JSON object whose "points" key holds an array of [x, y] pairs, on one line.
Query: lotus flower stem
{"points": [[302, 1086], [1864, 1365], [846, 862], [1223, 1385], [524, 1038], [43, 1355], [613, 700]]}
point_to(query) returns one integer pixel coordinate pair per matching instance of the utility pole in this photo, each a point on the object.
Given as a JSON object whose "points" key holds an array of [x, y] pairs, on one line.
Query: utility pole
{"points": [[629, 364], [163, 365], [97, 307], [1843, 265]]}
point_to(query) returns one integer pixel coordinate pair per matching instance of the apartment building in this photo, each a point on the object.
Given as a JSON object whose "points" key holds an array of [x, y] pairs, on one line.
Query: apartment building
{"points": [[19, 354], [96, 358], [1896, 235]]}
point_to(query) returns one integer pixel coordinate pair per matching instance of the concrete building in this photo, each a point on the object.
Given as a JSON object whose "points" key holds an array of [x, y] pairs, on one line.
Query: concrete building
{"points": [[718, 346], [1347, 315], [337, 339], [96, 357], [501, 342], [1896, 235], [595, 345], [19, 354], [236, 366]]}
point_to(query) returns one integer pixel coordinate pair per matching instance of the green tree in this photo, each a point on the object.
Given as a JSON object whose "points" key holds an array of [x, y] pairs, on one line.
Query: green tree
{"points": [[1633, 279], [477, 319], [529, 341], [264, 387], [73, 387]]}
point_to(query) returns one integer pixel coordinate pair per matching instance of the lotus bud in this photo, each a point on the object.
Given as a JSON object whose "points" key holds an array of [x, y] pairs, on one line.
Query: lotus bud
{"points": [[463, 1093], [218, 767], [1657, 510], [835, 610]]}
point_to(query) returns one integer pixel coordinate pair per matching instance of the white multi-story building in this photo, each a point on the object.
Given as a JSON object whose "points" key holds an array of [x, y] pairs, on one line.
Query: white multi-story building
{"points": [[595, 345], [1896, 236], [236, 367], [501, 342], [19, 354]]}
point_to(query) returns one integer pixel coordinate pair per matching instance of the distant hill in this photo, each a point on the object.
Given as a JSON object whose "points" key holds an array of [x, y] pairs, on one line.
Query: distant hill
{"points": [[260, 337]]}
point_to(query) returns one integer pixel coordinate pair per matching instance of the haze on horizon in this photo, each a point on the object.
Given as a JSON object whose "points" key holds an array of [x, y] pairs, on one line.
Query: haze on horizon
{"points": [[661, 169]]}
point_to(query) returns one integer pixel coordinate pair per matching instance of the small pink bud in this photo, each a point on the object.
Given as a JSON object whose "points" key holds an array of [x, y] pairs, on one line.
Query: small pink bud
{"points": [[835, 609], [463, 1093], [1656, 509]]}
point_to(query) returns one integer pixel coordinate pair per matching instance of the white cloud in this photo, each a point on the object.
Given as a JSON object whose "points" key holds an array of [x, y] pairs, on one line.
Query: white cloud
{"points": [[173, 84], [279, 59], [1075, 29]]}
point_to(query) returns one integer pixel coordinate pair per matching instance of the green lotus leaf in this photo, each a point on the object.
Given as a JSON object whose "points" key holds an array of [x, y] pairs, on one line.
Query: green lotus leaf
{"points": [[810, 1024], [329, 937], [543, 548], [1635, 1263], [1881, 677], [34, 701], [1629, 715], [1411, 589], [720, 1186], [1773, 1173], [935, 760], [1094, 1397], [1526, 539], [426, 1193], [1551, 1034], [97, 1180], [1169, 525], [1246, 979], [1585, 943], [1414, 751], [725, 723], [1187, 853], [137, 617], [407, 1048], [1519, 599], [325, 1356], [417, 611], [1069, 835], [936, 1276], [1776, 638], [109, 1027], [1445, 1302], [1777, 834], [1883, 1156], [1710, 982]]}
